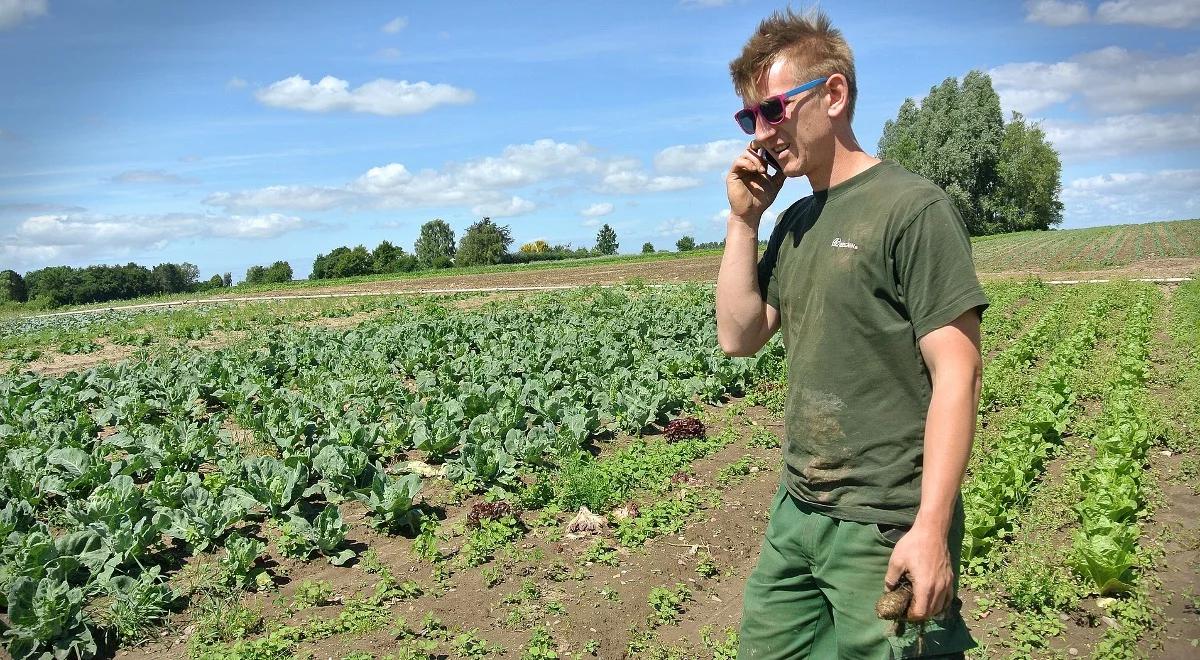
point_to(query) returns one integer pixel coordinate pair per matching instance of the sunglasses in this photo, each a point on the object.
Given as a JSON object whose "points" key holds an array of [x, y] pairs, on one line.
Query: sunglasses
{"points": [[771, 108]]}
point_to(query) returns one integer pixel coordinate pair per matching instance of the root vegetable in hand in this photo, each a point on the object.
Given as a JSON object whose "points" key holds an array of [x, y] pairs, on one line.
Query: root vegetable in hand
{"points": [[893, 605]]}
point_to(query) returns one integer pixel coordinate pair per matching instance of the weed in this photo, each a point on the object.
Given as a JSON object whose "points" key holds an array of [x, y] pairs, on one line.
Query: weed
{"points": [[469, 645], [425, 545], [667, 604], [492, 576], [600, 553], [540, 647], [763, 439], [311, 593], [725, 649], [663, 517], [491, 535], [740, 468]]}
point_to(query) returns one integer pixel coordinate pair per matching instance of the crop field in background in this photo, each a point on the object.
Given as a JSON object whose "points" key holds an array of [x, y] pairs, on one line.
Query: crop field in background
{"points": [[398, 476], [1097, 248], [1160, 249]]}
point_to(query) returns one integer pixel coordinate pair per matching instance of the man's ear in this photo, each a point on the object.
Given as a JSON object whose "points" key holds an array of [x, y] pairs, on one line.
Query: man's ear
{"points": [[837, 95]]}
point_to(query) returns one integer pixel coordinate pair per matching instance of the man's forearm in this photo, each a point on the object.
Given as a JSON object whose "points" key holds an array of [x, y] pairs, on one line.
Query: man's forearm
{"points": [[949, 430], [740, 307]]}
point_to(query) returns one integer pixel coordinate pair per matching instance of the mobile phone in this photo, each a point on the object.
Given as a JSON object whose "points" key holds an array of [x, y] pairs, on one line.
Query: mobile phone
{"points": [[771, 162]]}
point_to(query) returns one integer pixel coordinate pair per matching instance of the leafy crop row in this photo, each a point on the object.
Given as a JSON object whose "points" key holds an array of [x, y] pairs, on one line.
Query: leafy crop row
{"points": [[999, 484], [1104, 549]]}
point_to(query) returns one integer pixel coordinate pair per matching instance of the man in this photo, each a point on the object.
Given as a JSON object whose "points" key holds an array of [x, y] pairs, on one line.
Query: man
{"points": [[872, 283]]}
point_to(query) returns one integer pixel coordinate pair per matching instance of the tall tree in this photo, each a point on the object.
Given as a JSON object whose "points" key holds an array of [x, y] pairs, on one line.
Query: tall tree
{"points": [[483, 244], [1029, 179], [388, 258], [647, 248], [685, 244], [953, 139], [280, 271], [175, 278], [12, 287], [343, 262], [606, 240], [435, 243]]}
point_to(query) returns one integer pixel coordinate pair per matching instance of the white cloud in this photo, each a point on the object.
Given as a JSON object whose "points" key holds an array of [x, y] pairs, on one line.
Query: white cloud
{"points": [[674, 227], [1057, 13], [150, 176], [505, 208], [592, 222], [258, 226], [768, 218], [488, 182], [14, 12], [43, 239], [1123, 134], [236, 83], [1155, 13], [1130, 182], [695, 158], [597, 210], [380, 97], [1110, 80], [300, 198], [1132, 197], [395, 25], [624, 176]]}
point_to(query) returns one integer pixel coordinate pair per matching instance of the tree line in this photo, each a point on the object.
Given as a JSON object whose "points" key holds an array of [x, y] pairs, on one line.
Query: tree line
{"points": [[56, 286], [484, 243]]}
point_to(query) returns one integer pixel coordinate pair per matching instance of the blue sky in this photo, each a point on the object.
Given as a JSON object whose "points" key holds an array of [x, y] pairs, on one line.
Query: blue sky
{"points": [[230, 134]]}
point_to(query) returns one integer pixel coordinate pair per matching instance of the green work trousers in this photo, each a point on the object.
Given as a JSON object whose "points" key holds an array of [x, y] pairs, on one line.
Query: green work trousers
{"points": [[813, 593]]}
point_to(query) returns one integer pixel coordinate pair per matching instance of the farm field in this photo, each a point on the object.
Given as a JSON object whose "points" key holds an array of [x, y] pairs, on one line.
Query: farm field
{"points": [[1162, 245], [1154, 250], [397, 476]]}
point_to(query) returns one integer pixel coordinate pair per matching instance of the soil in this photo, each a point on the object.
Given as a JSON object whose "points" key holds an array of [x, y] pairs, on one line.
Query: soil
{"points": [[1168, 267], [599, 602], [53, 363], [1176, 574]]}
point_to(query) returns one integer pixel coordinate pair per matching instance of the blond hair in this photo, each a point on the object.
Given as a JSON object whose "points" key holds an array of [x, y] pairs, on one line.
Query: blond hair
{"points": [[812, 47]]}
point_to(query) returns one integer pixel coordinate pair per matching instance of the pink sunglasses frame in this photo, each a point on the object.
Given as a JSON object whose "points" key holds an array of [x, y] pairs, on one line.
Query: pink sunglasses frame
{"points": [[783, 98]]}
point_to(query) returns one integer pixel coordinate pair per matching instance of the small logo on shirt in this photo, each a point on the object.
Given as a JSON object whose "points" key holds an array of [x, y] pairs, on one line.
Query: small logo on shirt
{"points": [[839, 243]]}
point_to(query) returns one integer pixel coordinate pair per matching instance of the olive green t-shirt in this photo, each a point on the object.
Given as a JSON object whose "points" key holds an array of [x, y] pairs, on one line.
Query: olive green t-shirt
{"points": [[859, 273]]}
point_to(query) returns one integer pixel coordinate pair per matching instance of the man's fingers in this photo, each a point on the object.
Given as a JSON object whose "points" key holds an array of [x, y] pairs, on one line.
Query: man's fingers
{"points": [[750, 161], [892, 577], [946, 600], [918, 610]]}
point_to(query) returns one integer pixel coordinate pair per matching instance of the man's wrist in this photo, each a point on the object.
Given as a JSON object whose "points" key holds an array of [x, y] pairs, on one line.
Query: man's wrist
{"points": [[743, 226], [932, 522]]}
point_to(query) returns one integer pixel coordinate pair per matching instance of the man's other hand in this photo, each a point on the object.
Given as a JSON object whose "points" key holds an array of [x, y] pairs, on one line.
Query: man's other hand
{"points": [[924, 556]]}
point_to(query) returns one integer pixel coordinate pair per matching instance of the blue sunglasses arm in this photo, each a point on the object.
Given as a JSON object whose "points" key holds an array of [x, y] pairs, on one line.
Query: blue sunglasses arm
{"points": [[805, 87]]}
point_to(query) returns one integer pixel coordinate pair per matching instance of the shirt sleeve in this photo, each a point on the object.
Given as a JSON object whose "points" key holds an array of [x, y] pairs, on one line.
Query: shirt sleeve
{"points": [[935, 274]]}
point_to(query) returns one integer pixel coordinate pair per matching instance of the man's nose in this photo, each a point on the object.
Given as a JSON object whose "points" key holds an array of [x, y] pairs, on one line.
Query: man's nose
{"points": [[762, 130]]}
